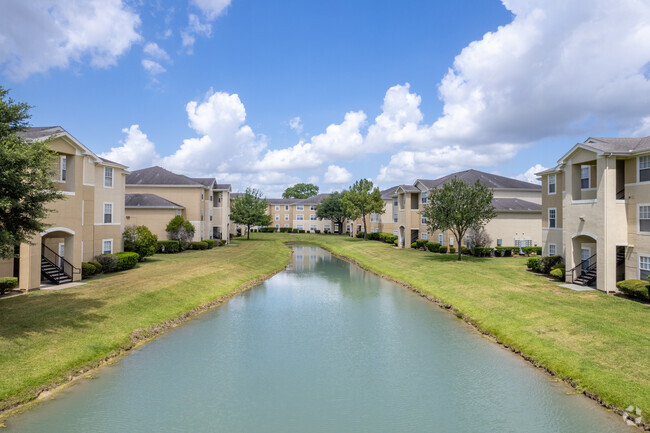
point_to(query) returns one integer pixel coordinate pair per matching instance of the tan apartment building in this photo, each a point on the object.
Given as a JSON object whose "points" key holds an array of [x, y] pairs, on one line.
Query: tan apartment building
{"points": [[298, 214], [517, 204], [596, 211], [88, 221], [155, 195]]}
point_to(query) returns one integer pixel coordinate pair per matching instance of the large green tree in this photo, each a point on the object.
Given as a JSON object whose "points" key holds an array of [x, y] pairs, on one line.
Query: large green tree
{"points": [[361, 199], [300, 190], [459, 207], [139, 239], [26, 185], [250, 209], [332, 207]]}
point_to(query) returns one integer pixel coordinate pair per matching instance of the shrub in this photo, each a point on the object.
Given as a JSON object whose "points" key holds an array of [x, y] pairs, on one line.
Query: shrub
{"points": [[533, 264], [140, 240], [395, 242], [199, 245], [558, 273], [222, 242], [530, 250], [433, 246], [109, 262], [359, 235], [87, 270], [126, 260], [294, 230], [452, 250], [547, 262], [442, 250], [169, 247], [210, 243], [180, 230], [504, 251], [482, 251], [98, 267], [466, 251], [285, 229], [326, 231], [414, 245], [7, 284], [267, 230], [421, 243], [317, 231], [634, 288]]}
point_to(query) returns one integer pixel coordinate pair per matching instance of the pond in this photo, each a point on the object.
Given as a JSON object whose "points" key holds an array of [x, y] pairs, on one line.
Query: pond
{"points": [[321, 347]]}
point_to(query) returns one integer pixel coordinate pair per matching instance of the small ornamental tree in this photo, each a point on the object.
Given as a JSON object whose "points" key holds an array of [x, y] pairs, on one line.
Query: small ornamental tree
{"points": [[362, 199], [249, 209], [178, 229], [140, 240], [300, 190], [459, 207], [332, 207]]}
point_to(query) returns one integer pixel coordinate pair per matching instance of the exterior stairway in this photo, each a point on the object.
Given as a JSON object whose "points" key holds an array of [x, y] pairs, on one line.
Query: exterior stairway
{"points": [[53, 273], [587, 276]]}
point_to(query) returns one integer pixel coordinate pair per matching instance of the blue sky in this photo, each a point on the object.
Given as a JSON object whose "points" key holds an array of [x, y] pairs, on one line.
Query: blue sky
{"points": [[391, 91]]}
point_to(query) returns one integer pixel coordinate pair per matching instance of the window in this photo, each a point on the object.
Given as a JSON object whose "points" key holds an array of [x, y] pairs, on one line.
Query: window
{"points": [[552, 223], [210, 214], [277, 226], [64, 168], [201, 195], [644, 218], [312, 207], [551, 184], [277, 207], [286, 225], [347, 228], [326, 228], [300, 227], [585, 171], [313, 227], [312, 217], [424, 197], [441, 239], [300, 207], [424, 220], [108, 213], [523, 242], [286, 217], [201, 214], [644, 168], [424, 235], [499, 242], [451, 241], [179, 212], [277, 217], [300, 217], [394, 217], [286, 207], [107, 246], [552, 249], [395, 202], [210, 197], [644, 267], [395, 232]]}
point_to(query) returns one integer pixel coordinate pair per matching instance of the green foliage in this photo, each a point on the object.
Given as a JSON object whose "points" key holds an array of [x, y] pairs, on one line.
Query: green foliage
{"points": [[210, 243], [300, 190], [126, 260], [222, 242], [87, 270], [199, 245], [434, 247], [530, 250], [504, 251], [180, 230], [360, 235], [250, 209], [634, 288], [140, 240], [452, 250], [558, 273], [442, 249], [332, 207], [459, 207], [169, 247], [285, 229], [414, 245], [26, 185], [7, 283], [362, 199], [547, 262], [317, 231], [482, 251], [268, 230], [98, 267], [389, 238], [533, 264], [109, 262]]}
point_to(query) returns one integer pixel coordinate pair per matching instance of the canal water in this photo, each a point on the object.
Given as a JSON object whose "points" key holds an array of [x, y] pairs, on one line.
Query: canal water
{"points": [[321, 347]]}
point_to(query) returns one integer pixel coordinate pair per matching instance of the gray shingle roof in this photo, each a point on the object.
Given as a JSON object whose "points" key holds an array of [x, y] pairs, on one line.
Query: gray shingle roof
{"points": [[515, 205], [280, 200], [205, 181], [149, 201], [158, 176], [409, 188], [390, 192], [618, 144], [314, 199], [225, 186], [492, 181], [40, 132]]}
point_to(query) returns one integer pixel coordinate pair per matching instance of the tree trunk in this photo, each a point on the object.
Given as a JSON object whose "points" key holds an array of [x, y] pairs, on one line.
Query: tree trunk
{"points": [[365, 231], [460, 249], [248, 233]]}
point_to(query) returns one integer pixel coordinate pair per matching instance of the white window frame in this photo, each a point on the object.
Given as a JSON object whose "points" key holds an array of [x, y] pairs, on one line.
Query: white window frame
{"points": [[277, 226], [499, 242], [286, 207], [639, 269], [395, 217], [286, 225], [451, 241], [277, 207], [554, 247], [300, 207], [424, 220], [423, 197], [554, 226], [300, 227], [104, 246], [395, 202], [313, 227], [642, 163], [104, 213], [554, 183], [286, 217], [424, 235], [300, 217], [179, 212], [441, 239], [638, 218], [328, 228], [588, 167], [312, 207], [63, 168], [108, 170], [277, 217], [313, 217], [395, 232]]}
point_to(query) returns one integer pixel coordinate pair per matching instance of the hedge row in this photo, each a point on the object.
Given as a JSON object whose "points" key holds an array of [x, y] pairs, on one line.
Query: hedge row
{"points": [[547, 265], [7, 284], [635, 288]]}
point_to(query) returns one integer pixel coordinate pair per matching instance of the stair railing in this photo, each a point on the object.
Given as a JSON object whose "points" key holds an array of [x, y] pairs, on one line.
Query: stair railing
{"points": [[580, 270], [53, 258]]}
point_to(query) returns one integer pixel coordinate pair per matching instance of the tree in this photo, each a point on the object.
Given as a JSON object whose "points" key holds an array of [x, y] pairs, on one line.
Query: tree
{"points": [[140, 240], [300, 190], [250, 209], [26, 185], [178, 229], [332, 207], [459, 207], [362, 199], [480, 237]]}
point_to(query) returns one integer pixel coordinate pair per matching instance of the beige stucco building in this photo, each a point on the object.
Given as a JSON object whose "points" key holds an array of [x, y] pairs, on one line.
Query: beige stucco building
{"points": [[88, 221], [596, 211]]}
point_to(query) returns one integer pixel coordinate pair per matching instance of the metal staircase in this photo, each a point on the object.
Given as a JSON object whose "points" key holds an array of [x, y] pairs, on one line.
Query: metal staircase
{"points": [[585, 273], [51, 271]]}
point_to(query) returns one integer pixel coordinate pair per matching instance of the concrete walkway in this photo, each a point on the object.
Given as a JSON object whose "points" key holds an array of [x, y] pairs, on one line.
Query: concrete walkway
{"points": [[577, 288], [48, 286]]}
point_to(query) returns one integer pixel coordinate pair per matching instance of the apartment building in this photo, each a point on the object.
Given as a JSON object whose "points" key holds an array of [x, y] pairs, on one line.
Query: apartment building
{"points": [[88, 221], [298, 213], [517, 204], [596, 211], [156, 195]]}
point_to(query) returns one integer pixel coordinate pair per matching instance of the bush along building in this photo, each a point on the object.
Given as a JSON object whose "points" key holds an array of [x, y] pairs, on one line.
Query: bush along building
{"points": [[87, 222], [596, 211]]}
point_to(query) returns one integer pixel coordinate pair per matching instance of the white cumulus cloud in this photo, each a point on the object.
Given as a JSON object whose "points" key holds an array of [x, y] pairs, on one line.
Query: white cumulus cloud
{"points": [[336, 174], [211, 8], [529, 175], [153, 50], [36, 36], [153, 67], [296, 124], [136, 150]]}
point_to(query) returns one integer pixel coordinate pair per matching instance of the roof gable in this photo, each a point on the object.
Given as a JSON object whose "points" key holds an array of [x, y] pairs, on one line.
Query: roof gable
{"points": [[159, 176], [492, 181]]}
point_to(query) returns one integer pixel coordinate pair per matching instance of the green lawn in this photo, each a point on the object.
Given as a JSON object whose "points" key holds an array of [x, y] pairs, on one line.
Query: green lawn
{"points": [[47, 335], [600, 342]]}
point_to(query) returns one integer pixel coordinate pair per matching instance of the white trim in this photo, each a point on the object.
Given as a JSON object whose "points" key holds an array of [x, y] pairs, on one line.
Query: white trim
{"points": [[621, 201], [61, 159], [553, 228], [638, 170], [548, 185], [107, 224], [70, 193], [83, 205], [548, 249], [587, 201], [638, 264], [638, 219], [588, 167], [588, 189], [112, 177], [548, 215], [591, 235], [58, 229], [104, 212], [105, 240]]}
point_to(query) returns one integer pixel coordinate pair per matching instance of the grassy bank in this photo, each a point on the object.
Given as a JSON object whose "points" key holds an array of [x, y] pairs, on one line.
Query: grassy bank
{"points": [[599, 342], [47, 335]]}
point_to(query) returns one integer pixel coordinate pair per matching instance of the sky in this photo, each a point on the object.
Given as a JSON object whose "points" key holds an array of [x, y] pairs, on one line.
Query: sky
{"points": [[268, 94]]}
